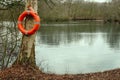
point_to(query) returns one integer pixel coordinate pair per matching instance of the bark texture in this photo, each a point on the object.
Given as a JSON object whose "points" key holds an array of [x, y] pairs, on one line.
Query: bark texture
{"points": [[27, 50]]}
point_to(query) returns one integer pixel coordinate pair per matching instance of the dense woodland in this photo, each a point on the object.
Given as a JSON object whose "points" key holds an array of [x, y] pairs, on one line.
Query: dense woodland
{"points": [[68, 10]]}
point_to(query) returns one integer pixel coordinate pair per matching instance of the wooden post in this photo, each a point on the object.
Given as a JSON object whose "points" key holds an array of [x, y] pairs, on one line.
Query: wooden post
{"points": [[27, 50]]}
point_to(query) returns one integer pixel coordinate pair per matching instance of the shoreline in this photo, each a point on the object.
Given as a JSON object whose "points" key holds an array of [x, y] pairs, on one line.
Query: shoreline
{"points": [[29, 73]]}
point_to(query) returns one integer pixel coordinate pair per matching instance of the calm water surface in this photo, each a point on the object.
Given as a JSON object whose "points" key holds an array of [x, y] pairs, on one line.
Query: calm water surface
{"points": [[78, 47]]}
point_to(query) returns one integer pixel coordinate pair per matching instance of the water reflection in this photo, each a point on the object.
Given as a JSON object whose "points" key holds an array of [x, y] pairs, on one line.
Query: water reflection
{"points": [[113, 37], [78, 47]]}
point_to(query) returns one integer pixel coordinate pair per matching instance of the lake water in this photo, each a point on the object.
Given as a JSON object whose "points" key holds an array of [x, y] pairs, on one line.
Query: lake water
{"points": [[78, 47]]}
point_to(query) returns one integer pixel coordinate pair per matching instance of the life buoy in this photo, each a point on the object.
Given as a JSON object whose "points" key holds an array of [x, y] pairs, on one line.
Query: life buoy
{"points": [[36, 24]]}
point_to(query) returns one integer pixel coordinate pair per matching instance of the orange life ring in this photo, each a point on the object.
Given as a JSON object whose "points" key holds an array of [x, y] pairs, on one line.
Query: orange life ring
{"points": [[36, 25]]}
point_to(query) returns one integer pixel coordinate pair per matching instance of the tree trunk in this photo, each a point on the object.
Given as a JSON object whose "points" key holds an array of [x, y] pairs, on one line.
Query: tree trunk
{"points": [[27, 50]]}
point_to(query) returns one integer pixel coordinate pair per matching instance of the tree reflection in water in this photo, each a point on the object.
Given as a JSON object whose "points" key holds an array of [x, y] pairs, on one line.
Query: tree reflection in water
{"points": [[77, 46], [64, 33]]}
